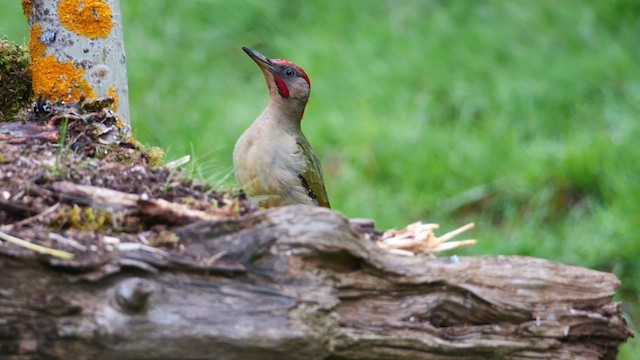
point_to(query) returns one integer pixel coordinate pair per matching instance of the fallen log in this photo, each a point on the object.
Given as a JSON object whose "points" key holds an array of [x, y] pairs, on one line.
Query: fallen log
{"points": [[301, 282]]}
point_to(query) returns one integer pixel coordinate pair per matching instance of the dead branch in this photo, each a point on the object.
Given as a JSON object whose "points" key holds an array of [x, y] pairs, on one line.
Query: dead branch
{"points": [[96, 197], [159, 210]]}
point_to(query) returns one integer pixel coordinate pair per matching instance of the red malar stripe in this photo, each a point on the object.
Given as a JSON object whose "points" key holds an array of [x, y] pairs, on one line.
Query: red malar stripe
{"points": [[282, 86]]}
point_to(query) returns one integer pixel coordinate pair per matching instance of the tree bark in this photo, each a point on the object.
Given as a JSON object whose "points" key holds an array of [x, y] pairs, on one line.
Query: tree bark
{"points": [[300, 282], [77, 50]]}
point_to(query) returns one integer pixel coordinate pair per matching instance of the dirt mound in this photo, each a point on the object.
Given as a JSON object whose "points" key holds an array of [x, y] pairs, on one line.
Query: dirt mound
{"points": [[72, 179]]}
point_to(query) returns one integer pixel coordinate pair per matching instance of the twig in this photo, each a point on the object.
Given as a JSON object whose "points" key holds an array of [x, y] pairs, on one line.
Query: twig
{"points": [[35, 247], [173, 213], [212, 259], [456, 244], [32, 218], [54, 119], [128, 246], [66, 241], [451, 234], [97, 197]]}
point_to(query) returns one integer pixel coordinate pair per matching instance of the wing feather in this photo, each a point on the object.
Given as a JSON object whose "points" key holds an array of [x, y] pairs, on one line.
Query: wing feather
{"points": [[312, 179]]}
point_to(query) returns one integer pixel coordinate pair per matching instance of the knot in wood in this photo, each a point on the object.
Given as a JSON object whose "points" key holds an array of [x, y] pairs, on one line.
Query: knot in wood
{"points": [[133, 294]]}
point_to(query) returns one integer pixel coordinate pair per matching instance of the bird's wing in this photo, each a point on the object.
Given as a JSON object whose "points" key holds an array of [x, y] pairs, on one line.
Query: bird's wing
{"points": [[311, 178]]}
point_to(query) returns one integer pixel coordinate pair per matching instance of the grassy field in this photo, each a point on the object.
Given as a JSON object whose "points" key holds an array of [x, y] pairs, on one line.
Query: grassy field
{"points": [[519, 116]]}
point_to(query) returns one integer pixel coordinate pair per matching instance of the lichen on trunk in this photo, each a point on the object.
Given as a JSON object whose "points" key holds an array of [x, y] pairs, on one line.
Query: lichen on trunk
{"points": [[77, 50]]}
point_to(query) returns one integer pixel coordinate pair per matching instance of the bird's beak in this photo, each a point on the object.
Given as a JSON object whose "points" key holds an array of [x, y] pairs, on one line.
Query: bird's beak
{"points": [[264, 62]]}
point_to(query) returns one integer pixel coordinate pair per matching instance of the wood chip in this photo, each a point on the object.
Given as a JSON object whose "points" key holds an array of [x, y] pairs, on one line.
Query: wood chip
{"points": [[419, 238]]}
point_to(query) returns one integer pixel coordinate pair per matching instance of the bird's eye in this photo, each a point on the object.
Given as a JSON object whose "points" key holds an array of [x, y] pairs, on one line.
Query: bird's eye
{"points": [[289, 72]]}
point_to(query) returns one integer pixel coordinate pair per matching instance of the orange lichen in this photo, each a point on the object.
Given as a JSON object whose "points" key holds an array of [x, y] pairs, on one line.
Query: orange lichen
{"points": [[27, 7], [36, 46], [88, 18], [112, 93], [54, 80]]}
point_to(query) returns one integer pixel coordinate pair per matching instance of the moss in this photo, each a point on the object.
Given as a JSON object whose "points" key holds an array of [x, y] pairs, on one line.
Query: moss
{"points": [[230, 204], [155, 156], [15, 84], [95, 105], [164, 237], [88, 18], [79, 218]]}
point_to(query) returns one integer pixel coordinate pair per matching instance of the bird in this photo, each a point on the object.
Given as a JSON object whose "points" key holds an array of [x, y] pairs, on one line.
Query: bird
{"points": [[273, 161]]}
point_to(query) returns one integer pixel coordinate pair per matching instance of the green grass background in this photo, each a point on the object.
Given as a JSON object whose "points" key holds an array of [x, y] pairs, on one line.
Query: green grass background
{"points": [[521, 116]]}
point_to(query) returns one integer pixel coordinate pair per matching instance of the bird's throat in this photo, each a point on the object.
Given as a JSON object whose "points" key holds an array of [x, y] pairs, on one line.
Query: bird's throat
{"points": [[284, 114]]}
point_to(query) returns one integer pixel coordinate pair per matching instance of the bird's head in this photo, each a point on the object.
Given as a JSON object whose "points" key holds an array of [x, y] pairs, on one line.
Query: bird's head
{"points": [[287, 81]]}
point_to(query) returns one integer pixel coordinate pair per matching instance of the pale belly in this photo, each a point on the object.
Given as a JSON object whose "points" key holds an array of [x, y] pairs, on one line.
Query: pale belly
{"points": [[269, 171]]}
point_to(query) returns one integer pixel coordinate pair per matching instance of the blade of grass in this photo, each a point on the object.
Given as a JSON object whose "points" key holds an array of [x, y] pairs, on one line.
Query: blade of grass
{"points": [[35, 247]]}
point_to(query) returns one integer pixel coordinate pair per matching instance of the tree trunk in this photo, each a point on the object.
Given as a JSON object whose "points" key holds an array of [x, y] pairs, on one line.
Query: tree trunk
{"points": [[77, 50], [300, 282]]}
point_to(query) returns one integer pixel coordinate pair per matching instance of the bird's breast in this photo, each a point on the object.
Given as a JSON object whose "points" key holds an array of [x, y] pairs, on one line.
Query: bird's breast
{"points": [[268, 163]]}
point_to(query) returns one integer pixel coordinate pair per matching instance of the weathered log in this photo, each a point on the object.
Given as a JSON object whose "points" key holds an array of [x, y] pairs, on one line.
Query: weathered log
{"points": [[300, 282]]}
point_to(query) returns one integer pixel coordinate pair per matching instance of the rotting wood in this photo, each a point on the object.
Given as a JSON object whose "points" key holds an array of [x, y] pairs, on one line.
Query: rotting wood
{"points": [[300, 282]]}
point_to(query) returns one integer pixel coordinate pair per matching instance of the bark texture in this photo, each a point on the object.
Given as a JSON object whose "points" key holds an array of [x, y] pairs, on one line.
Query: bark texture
{"points": [[300, 282], [77, 50]]}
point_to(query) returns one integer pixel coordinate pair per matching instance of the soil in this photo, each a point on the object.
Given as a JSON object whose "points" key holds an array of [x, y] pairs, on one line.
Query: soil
{"points": [[95, 151]]}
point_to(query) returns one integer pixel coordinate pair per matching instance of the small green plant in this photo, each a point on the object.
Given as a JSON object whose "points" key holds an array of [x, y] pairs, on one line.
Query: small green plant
{"points": [[170, 180], [61, 144]]}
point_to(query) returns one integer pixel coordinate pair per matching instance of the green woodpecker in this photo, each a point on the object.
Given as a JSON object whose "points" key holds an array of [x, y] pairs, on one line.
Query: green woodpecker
{"points": [[273, 160]]}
